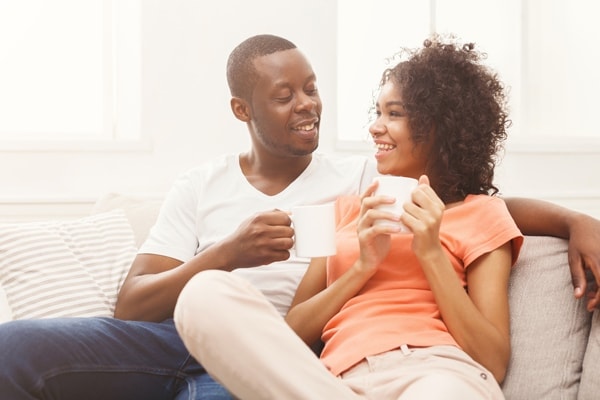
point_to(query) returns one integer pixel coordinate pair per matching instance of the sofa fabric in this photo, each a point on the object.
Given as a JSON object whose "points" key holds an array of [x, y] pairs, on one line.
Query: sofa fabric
{"points": [[549, 327], [141, 213], [589, 387]]}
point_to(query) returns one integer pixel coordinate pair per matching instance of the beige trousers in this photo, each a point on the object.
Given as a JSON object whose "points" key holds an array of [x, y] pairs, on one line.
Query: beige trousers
{"points": [[242, 341]]}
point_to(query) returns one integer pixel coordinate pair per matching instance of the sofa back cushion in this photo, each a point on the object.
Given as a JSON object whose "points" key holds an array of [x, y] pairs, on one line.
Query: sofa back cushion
{"points": [[589, 388], [549, 327], [141, 212]]}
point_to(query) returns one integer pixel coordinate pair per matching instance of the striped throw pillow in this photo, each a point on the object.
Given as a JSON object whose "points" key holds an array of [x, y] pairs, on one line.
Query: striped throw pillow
{"points": [[68, 268]]}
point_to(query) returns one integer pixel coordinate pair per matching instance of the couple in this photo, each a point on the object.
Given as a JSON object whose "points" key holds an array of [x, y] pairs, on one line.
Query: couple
{"points": [[225, 215]]}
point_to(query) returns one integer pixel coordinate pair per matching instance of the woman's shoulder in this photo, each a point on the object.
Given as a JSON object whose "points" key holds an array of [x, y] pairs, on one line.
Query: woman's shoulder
{"points": [[477, 211], [484, 203]]}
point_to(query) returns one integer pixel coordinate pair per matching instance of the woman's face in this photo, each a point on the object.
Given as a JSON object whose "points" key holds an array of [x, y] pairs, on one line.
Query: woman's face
{"points": [[396, 153]]}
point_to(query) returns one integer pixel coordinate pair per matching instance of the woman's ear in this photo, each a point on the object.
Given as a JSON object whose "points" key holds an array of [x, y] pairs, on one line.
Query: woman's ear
{"points": [[240, 109]]}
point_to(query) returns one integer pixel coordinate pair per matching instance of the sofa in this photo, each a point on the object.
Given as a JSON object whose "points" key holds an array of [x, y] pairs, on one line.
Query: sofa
{"points": [[74, 267]]}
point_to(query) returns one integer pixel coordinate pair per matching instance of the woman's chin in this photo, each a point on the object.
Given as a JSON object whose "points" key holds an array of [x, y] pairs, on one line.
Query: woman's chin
{"points": [[383, 170]]}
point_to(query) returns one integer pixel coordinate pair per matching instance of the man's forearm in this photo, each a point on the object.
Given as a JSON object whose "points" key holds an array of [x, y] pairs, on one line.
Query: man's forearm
{"points": [[538, 217]]}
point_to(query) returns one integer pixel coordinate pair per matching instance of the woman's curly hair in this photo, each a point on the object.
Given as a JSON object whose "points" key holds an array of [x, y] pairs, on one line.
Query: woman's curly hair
{"points": [[457, 109]]}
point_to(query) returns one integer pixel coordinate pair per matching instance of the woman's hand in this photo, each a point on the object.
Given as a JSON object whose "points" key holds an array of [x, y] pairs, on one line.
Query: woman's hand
{"points": [[374, 239], [423, 215]]}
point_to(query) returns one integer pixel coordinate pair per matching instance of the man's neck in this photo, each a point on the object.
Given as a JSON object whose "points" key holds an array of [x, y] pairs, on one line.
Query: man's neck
{"points": [[274, 175]]}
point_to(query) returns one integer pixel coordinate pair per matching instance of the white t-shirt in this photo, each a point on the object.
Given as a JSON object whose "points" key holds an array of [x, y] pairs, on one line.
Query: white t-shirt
{"points": [[210, 201]]}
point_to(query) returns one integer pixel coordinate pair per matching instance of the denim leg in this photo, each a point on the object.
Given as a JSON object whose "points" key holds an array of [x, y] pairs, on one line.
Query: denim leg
{"points": [[203, 387], [92, 358]]}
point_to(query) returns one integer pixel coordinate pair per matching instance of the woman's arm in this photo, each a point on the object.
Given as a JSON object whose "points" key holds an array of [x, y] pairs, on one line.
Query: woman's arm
{"points": [[151, 288], [478, 320], [537, 217], [315, 303]]}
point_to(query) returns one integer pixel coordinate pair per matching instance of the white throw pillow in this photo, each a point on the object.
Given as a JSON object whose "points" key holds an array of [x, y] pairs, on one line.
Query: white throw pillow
{"points": [[71, 268]]}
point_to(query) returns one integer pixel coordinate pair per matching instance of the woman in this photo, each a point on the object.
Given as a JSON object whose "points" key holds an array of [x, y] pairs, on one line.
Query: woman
{"points": [[420, 315]]}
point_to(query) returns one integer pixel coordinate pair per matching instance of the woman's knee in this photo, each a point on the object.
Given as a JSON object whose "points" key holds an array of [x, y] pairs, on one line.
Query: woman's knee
{"points": [[209, 301]]}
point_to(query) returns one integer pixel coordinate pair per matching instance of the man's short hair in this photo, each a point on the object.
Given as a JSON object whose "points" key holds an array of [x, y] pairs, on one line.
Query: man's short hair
{"points": [[241, 73]]}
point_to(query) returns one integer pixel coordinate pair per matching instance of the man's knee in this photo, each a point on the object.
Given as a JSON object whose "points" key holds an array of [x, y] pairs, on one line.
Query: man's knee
{"points": [[23, 353], [22, 339]]}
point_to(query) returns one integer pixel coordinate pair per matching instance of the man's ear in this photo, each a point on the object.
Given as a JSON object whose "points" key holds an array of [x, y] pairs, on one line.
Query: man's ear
{"points": [[240, 109]]}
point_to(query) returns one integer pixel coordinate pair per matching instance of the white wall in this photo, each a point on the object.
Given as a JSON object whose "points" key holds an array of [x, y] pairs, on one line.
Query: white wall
{"points": [[185, 104], [185, 111]]}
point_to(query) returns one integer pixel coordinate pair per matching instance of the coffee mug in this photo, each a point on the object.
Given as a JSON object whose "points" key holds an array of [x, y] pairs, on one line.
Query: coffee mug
{"points": [[314, 230], [399, 187]]}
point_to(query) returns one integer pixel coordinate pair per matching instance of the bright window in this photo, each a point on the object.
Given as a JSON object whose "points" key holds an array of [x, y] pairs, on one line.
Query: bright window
{"points": [[70, 73], [546, 52]]}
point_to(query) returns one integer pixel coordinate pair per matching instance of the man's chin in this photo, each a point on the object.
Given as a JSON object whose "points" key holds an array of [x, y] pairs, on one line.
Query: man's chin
{"points": [[299, 152]]}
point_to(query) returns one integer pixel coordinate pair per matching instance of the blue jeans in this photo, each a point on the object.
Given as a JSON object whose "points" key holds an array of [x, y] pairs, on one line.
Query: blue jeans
{"points": [[99, 358]]}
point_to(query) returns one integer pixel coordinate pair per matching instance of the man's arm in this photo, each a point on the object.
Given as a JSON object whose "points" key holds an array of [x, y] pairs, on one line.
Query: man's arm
{"points": [[537, 217], [154, 282]]}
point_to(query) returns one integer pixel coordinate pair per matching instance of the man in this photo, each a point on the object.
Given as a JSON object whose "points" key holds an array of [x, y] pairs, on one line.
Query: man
{"points": [[228, 214]]}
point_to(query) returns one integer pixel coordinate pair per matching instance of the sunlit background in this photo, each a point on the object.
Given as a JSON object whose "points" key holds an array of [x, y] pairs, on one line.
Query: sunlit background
{"points": [[124, 95]]}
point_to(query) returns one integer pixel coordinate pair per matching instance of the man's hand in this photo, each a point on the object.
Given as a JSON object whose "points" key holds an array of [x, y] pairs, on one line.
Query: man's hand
{"points": [[584, 256], [260, 240], [538, 217]]}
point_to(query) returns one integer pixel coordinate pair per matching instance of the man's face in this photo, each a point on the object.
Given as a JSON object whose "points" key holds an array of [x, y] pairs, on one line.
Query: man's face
{"points": [[285, 106]]}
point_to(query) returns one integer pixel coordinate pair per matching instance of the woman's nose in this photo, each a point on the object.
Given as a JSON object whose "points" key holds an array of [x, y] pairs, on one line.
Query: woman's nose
{"points": [[376, 129]]}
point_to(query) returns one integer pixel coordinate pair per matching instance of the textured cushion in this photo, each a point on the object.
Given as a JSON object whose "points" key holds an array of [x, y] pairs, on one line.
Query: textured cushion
{"points": [[65, 268], [142, 213], [589, 388], [5, 311], [549, 327]]}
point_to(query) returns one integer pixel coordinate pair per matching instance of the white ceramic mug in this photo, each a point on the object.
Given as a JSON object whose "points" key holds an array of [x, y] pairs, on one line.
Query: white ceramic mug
{"points": [[399, 187], [314, 230]]}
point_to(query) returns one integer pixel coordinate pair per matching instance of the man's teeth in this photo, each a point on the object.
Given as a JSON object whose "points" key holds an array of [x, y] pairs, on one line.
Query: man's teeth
{"points": [[306, 127], [384, 146]]}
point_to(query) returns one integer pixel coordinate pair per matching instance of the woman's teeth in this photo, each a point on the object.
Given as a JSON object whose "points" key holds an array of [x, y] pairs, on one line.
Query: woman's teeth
{"points": [[384, 146]]}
